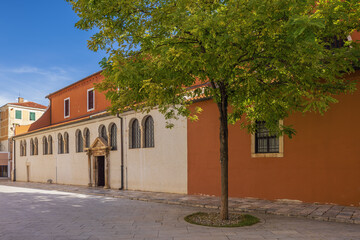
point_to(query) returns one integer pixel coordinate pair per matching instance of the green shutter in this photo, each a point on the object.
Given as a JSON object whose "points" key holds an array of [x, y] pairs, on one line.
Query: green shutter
{"points": [[32, 116], [18, 114]]}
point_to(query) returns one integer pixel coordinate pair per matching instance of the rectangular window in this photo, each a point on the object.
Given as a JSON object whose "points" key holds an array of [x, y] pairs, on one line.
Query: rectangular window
{"points": [[264, 141], [32, 116], [265, 144], [90, 99], [67, 107], [18, 114]]}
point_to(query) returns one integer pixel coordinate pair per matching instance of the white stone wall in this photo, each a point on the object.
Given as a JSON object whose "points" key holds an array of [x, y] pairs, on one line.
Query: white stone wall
{"points": [[162, 168]]}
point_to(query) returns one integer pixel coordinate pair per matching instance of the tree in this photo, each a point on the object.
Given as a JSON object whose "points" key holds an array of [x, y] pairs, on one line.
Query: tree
{"points": [[264, 59]]}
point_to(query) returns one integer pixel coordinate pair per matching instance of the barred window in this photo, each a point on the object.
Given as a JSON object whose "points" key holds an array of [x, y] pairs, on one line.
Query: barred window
{"points": [[24, 148], [50, 143], [60, 144], [149, 132], [102, 133], [32, 147], [87, 137], [79, 141], [113, 142], [45, 146], [66, 142], [264, 142], [135, 134]]}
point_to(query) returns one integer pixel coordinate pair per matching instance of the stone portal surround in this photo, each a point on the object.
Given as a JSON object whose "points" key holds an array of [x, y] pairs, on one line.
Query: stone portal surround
{"points": [[321, 212]]}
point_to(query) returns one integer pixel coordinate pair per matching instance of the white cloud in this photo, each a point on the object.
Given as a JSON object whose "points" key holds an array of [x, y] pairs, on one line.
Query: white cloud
{"points": [[33, 83]]}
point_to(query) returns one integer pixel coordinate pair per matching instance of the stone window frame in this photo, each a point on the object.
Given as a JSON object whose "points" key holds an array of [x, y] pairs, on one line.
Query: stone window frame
{"points": [[113, 136], [79, 141], [267, 155]]}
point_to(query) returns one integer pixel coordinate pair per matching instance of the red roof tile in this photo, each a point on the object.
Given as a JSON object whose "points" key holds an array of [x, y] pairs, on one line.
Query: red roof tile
{"points": [[29, 104]]}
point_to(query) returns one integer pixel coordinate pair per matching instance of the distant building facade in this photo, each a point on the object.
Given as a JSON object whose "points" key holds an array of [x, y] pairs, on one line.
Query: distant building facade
{"points": [[12, 115]]}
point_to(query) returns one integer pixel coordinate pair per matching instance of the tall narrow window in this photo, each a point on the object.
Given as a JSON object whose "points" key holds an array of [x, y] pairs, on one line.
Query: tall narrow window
{"points": [[135, 134], [60, 144], [149, 132], [87, 137], [79, 142], [102, 133], [90, 99], [32, 147], [24, 148], [21, 148], [36, 147], [66, 142], [50, 143], [18, 114], [45, 146], [113, 142], [66, 107], [264, 141], [32, 116]]}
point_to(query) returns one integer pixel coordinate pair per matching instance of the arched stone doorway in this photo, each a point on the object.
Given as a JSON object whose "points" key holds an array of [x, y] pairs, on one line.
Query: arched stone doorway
{"points": [[98, 163]]}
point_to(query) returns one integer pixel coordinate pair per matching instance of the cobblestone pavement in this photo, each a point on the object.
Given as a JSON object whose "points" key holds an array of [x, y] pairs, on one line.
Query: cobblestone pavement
{"points": [[38, 214], [322, 212]]}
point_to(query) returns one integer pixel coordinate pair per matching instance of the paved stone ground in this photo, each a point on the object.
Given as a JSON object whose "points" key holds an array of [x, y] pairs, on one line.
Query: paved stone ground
{"points": [[38, 214], [322, 212]]}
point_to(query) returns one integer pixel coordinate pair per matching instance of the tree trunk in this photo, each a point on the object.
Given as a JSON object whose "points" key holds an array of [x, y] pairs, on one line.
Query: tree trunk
{"points": [[224, 156]]}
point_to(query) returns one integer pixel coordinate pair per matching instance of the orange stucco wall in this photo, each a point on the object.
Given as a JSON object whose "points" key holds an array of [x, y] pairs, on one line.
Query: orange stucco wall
{"points": [[78, 100], [320, 164]]}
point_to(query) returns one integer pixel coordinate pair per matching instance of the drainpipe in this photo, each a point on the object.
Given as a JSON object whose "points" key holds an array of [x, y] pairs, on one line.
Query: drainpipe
{"points": [[122, 152], [14, 157]]}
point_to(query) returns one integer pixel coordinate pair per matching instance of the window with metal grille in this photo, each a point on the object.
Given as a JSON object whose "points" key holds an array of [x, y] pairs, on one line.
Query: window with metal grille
{"points": [[32, 147], [135, 134], [45, 146], [79, 142], [60, 144], [103, 133], [66, 142], [18, 114], [87, 137], [90, 99], [22, 148], [32, 116], [264, 141], [113, 142], [50, 143], [67, 107], [149, 132]]}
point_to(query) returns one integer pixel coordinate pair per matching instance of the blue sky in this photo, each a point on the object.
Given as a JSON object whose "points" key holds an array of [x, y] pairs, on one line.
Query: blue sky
{"points": [[40, 49]]}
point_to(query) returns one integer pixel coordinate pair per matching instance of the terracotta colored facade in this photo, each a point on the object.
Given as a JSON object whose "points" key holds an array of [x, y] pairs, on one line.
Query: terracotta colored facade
{"points": [[321, 163], [77, 93]]}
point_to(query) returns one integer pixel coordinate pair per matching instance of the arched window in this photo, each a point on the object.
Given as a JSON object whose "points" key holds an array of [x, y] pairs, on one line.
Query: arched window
{"points": [[87, 137], [36, 147], [79, 141], [102, 133], [32, 147], [66, 142], [135, 134], [24, 148], [113, 142], [149, 132], [60, 144], [21, 148], [45, 146], [50, 144]]}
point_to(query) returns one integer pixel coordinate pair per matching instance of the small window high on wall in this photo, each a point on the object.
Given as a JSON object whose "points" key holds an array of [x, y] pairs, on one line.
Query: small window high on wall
{"points": [[90, 99], [67, 107]]}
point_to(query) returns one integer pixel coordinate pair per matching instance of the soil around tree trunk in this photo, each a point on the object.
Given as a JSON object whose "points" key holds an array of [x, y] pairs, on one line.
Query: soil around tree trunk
{"points": [[213, 219]]}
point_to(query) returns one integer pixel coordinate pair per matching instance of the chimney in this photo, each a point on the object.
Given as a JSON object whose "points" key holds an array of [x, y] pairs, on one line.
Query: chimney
{"points": [[20, 100]]}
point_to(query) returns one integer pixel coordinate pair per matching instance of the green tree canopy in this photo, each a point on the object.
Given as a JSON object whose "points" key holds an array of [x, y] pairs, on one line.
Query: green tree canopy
{"points": [[264, 58]]}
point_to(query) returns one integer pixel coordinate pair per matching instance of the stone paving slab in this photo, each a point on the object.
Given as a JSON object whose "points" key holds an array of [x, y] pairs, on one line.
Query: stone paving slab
{"points": [[321, 212]]}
